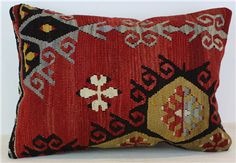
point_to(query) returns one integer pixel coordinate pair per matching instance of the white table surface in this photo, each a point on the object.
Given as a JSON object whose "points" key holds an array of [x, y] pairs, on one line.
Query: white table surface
{"points": [[160, 153]]}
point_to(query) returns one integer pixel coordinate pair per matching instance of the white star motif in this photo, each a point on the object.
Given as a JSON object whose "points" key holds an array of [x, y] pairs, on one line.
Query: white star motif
{"points": [[99, 102]]}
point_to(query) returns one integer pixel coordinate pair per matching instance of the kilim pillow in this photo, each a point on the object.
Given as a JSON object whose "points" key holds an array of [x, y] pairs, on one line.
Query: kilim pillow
{"points": [[99, 82]]}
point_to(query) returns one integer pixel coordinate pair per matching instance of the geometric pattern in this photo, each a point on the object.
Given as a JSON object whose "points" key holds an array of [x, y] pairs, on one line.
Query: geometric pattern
{"points": [[147, 32], [30, 56], [48, 30], [134, 139], [184, 109], [147, 118], [99, 82], [50, 145], [45, 32], [181, 107], [218, 140]]}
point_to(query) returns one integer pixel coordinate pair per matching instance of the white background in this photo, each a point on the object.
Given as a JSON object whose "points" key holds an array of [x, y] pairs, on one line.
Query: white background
{"points": [[139, 9]]}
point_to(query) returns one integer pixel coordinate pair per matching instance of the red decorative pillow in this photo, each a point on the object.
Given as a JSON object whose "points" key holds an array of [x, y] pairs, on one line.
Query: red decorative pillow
{"points": [[99, 82]]}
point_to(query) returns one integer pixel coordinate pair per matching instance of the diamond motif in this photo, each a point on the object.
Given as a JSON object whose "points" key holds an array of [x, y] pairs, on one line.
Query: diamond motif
{"points": [[183, 111], [47, 28]]}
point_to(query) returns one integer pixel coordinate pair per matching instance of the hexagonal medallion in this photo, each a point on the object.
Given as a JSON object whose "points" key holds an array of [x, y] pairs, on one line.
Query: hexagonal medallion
{"points": [[179, 111]]}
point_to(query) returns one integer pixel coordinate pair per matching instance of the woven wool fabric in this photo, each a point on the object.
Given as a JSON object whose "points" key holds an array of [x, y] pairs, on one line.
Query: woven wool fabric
{"points": [[99, 82]]}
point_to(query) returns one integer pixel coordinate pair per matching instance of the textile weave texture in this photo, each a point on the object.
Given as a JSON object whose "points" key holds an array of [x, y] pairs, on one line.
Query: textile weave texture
{"points": [[100, 82]]}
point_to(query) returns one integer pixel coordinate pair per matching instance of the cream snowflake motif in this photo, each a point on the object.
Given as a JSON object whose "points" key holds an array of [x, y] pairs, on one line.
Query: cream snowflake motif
{"points": [[108, 93]]}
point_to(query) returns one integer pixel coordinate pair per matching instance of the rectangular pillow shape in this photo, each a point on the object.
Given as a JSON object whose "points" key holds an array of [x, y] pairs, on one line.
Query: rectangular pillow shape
{"points": [[100, 82]]}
